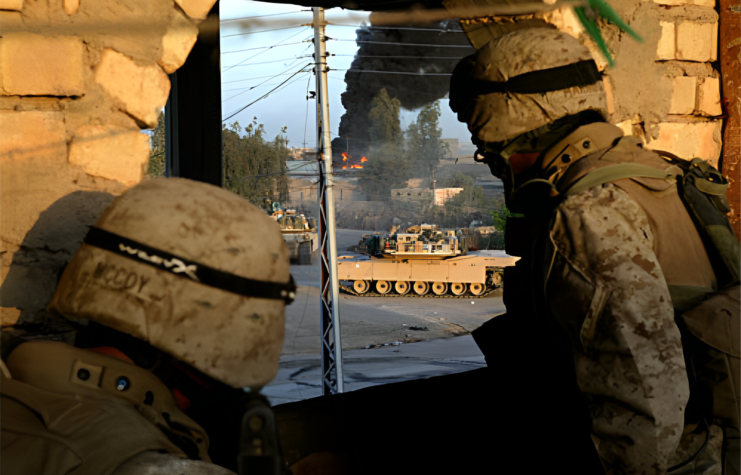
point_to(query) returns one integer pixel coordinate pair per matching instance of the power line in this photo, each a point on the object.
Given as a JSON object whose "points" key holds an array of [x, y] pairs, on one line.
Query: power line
{"points": [[261, 47], [274, 61], [397, 28], [392, 72], [258, 77], [260, 16], [262, 31], [261, 52], [399, 57], [403, 44], [267, 93]]}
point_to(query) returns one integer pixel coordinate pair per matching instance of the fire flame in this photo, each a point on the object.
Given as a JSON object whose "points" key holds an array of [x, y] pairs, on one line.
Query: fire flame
{"points": [[355, 166], [344, 157], [344, 167], [363, 160]]}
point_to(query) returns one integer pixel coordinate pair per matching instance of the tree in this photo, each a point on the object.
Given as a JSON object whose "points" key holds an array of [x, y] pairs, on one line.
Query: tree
{"points": [[387, 166], [255, 168], [157, 149], [425, 147]]}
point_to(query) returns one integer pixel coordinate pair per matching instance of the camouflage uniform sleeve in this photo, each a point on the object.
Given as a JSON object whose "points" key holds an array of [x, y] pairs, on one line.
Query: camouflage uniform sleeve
{"points": [[605, 286]]}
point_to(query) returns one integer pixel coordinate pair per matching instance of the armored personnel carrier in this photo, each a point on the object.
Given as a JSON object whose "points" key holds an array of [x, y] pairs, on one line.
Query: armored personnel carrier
{"points": [[299, 233], [423, 262]]}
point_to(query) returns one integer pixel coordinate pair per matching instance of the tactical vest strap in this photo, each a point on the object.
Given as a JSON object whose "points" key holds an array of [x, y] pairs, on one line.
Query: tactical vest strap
{"points": [[620, 171]]}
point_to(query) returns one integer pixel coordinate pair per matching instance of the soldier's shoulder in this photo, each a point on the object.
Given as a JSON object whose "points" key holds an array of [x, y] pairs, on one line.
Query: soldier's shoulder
{"points": [[632, 150], [155, 463]]}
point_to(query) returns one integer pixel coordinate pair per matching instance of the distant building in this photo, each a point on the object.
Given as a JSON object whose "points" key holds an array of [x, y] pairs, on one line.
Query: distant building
{"points": [[424, 195], [303, 153]]}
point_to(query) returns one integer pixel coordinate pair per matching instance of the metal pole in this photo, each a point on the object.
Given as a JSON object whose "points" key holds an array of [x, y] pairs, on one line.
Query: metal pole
{"points": [[332, 380]]}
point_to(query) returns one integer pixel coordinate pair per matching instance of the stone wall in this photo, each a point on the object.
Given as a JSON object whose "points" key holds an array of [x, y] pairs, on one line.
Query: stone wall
{"points": [[79, 79], [664, 89]]}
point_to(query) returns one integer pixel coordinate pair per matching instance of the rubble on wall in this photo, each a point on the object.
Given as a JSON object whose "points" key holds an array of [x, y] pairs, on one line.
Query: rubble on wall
{"points": [[78, 81]]}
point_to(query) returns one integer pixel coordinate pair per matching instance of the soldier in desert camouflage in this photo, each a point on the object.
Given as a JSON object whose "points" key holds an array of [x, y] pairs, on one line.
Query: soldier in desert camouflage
{"points": [[647, 295]]}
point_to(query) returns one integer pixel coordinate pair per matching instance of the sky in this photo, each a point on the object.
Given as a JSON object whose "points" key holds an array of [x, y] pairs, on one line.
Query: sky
{"points": [[248, 75]]}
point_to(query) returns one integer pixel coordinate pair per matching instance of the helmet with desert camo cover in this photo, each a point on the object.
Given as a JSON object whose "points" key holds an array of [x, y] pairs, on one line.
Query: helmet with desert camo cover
{"points": [[177, 263], [515, 91]]}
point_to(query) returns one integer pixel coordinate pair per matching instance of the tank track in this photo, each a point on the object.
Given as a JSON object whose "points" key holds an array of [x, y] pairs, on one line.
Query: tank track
{"points": [[428, 295]]}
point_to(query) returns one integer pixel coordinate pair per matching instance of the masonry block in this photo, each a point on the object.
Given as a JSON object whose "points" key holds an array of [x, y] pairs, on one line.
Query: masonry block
{"points": [[684, 95], [36, 65], [113, 154], [197, 9], [176, 44], [709, 97], [688, 140], [28, 134], [667, 48], [696, 41], [140, 87], [15, 5], [701, 3], [71, 6]]}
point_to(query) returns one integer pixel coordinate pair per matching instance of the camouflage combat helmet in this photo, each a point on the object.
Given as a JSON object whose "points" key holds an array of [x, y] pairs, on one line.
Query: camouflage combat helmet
{"points": [[523, 83], [178, 264]]}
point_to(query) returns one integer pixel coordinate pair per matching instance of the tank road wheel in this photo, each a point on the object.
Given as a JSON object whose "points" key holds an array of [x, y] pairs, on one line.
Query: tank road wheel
{"points": [[402, 287], [476, 289], [304, 254], [458, 288], [360, 286], [421, 288], [497, 279], [439, 288], [383, 287]]}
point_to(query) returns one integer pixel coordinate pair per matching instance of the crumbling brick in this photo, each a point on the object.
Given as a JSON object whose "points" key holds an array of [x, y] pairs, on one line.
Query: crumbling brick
{"points": [[36, 65], [140, 88], [690, 139], [31, 133], [176, 44], [701, 3], [709, 97], [112, 154], [695, 41], [16, 5], [667, 47], [71, 6], [684, 95], [197, 9]]}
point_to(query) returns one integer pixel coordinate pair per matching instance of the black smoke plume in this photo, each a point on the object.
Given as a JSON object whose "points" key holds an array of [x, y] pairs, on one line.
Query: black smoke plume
{"points": [[413, 91]]}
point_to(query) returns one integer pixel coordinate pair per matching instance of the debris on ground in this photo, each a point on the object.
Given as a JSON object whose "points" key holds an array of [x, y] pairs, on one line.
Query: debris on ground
{"points": [[419, 329]]}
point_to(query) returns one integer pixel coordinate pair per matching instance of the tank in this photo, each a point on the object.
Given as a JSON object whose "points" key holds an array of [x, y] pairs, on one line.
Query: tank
{"points": [[423, 262], [299, 232]]}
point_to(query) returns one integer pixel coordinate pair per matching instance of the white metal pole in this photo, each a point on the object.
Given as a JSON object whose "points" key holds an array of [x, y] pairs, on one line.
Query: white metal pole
{"points": [[332, 377]]}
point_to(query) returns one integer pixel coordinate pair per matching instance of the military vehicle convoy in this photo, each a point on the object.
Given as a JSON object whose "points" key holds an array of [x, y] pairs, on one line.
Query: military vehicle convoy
{"points": [[299, 233], [422, 262]]}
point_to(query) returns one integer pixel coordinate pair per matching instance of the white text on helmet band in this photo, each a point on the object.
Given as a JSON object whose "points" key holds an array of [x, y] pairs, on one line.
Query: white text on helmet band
{"points": [[180, 267]]}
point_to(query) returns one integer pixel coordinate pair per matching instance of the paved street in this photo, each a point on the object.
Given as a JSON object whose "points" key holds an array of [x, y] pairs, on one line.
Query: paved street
{"points": [[417, 334]]}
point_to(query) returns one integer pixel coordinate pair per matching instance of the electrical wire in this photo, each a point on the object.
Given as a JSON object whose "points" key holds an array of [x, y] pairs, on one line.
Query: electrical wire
{"points": [[262, 31], [267, 93], [260, 16], [402, 44], [306, 118], [399, 57], [258, 85], [392, 72], [264, 50], [274, 61], [396, 28], [257, 77], [261, 47]]}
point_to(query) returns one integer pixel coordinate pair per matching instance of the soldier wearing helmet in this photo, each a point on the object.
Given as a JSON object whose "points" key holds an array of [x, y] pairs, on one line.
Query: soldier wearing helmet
{"points": [[180, 310], [616, 248]]}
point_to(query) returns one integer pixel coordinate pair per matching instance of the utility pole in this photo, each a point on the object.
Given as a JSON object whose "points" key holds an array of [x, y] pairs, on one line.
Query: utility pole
{"points": [[332, 379]]}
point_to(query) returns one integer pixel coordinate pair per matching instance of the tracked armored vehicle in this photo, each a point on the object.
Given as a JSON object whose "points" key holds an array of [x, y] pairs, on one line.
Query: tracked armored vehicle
{"points": [[423, 262], [299, 232]]}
